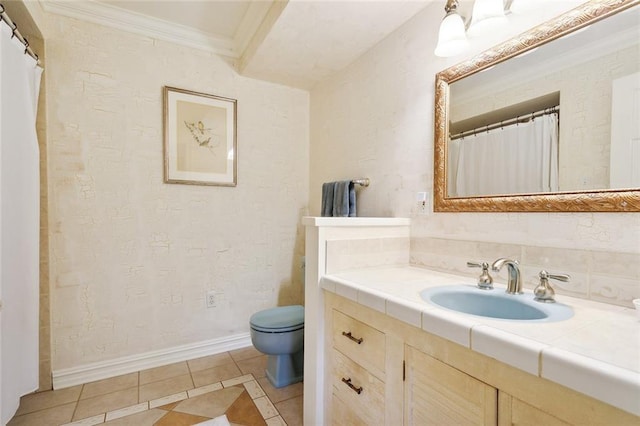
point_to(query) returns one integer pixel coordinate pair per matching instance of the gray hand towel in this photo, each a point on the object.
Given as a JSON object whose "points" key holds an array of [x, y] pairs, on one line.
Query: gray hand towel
{"points": [[352, 199], [344, 199], [327, 199]]}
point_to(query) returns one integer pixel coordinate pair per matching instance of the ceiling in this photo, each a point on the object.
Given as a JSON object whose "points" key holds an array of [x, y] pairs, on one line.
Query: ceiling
{"points": [[218, 18], [294, 42]]}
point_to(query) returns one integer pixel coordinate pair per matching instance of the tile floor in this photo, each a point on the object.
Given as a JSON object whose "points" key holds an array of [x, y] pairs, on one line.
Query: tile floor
{"points": [[181, 394]]}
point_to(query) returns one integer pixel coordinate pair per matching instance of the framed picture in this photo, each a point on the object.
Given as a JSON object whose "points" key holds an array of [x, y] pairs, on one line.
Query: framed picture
{"points": [[200, 142]]}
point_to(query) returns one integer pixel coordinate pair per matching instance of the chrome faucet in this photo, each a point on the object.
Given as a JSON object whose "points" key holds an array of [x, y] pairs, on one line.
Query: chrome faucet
{"points": [[544, 292], [514, 283], [485, 282]]}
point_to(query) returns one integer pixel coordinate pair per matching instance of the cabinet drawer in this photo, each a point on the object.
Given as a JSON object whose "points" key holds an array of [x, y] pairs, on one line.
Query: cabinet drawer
{"points": [[360, 342], [360, 391], [343, 415]]}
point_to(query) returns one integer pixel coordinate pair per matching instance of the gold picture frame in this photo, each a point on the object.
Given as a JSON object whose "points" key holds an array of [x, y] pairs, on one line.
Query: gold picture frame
{"points": [[200, 138]]}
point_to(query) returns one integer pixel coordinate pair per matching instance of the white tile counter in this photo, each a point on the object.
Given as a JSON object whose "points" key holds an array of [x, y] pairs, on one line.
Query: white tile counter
{"points": [[596, 352]]}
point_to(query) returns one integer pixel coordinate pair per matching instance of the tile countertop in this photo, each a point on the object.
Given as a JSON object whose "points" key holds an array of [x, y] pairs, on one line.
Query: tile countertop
{"points": [[596, 352]]}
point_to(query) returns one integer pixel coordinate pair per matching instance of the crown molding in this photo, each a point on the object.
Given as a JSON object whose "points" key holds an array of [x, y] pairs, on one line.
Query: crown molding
{"points": [[115, 17]]}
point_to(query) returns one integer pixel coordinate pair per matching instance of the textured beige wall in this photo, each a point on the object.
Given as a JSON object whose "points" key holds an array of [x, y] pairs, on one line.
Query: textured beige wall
{"points": [[132, 257], [375, 119]]}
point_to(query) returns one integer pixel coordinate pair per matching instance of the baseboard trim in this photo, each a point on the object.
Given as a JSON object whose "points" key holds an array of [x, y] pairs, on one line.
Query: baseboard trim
{"points": [[67, 377]]}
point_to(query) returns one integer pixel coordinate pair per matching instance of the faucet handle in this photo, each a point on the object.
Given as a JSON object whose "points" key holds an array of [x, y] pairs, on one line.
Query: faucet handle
{"points": [[560, 277], [544, 292], [485, 281]]}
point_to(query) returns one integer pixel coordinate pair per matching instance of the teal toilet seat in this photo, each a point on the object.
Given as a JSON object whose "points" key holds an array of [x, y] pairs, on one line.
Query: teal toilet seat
{"points": [[278, 320]]}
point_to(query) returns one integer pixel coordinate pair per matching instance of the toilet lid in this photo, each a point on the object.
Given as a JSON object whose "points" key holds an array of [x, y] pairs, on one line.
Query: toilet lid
{"points": [[284, 317]]}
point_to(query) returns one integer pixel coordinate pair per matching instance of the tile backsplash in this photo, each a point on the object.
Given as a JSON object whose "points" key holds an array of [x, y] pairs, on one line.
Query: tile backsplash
{"points": [[363, 253], [603, 276]]}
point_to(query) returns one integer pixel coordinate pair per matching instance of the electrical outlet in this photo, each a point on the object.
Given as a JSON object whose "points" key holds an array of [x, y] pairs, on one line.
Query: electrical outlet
{"points": [[211, 299], [422, 203]]}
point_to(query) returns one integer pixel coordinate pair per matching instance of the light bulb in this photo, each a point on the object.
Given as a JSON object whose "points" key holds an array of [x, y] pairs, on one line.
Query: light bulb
{"points": [[486, 14], [452, 39]]}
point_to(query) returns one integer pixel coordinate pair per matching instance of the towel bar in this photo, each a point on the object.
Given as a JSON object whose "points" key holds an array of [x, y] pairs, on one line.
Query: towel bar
{"points": [[362, 182]]}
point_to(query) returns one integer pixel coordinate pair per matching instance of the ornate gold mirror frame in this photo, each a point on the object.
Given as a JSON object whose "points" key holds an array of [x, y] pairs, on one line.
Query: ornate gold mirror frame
{"points": [[578, 201]]}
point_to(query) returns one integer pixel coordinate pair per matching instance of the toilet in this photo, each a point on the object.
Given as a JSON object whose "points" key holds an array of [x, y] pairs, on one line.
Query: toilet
{"points": [[279, 333]]}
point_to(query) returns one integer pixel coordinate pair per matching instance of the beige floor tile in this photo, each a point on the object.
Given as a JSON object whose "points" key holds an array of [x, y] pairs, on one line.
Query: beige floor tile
{"points": [[146, 418], [165, 387], [169, 399], [165, 372], [204, 389], [89, 421], [120, 395], [167, 407], [105, 403], [211, 404], [280, 394], [276, 421], [210, 361], [215, 374], [180, 419], [245, 353], [291, 411], [48, 417], [255, 366], [102, 387], [237, 380], [266, 407], [41, 400], [254, 389], [127, 411]]}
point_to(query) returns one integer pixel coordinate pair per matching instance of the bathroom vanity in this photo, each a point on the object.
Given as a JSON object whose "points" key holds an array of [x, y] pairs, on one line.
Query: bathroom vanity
{"points": [[376, 352], [380, 367]]}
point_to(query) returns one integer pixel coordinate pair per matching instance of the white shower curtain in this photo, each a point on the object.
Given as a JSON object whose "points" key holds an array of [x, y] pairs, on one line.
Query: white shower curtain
{"points": [[516, 159], [19, 223]]}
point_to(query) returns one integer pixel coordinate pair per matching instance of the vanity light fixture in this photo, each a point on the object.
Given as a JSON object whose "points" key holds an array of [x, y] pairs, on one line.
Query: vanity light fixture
{"points": [[452, 36], [486, 14]]}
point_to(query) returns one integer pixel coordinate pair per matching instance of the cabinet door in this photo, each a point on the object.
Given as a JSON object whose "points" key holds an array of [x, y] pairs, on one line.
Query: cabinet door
{"points": [[517, 413], [437, 394]]}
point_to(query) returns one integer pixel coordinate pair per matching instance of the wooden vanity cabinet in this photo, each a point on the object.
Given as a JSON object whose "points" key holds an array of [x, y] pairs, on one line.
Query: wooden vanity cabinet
{"points": [[438, 394], [516, 412], [410, 377]]}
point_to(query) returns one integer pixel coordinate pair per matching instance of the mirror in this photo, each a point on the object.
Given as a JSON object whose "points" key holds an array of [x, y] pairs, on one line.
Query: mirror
{"points": [[534, 84]]}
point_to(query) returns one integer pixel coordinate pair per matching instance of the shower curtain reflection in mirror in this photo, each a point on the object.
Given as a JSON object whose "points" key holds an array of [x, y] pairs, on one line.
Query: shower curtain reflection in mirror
{"points": [[516, 159]]}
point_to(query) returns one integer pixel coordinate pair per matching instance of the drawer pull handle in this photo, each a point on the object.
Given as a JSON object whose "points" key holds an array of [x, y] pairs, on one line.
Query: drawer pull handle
{"points": [[349, 336], [353, 388]]}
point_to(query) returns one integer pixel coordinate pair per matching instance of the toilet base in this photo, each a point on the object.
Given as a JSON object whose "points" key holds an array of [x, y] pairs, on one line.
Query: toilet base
{"points": [[284, 370]]}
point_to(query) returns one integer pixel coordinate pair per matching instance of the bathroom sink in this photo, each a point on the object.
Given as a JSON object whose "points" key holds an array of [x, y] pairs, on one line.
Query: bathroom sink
{"points": [[495, 304]]}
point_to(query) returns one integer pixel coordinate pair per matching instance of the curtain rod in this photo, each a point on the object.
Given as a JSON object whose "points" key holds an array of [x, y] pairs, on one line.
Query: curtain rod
{"points": [[15, 33], [519, 119]]}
